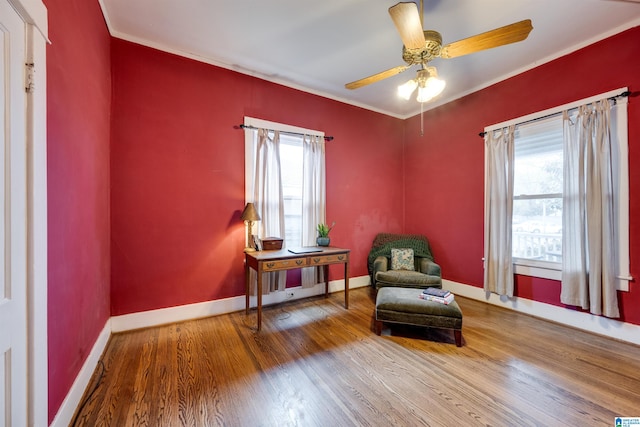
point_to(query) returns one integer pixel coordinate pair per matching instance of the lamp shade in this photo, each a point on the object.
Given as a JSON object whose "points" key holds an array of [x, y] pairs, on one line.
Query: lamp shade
{"points": [[405, 90], [432, 88], [250, 213]]}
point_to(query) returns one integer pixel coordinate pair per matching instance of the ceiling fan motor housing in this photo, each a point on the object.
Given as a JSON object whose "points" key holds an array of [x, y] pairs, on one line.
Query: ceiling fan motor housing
{"points": [[431, 49]]}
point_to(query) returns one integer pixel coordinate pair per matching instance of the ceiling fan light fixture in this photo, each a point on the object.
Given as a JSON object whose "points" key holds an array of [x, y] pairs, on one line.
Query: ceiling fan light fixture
{"points": [[427, 82], [405, 90], [431, 88]]}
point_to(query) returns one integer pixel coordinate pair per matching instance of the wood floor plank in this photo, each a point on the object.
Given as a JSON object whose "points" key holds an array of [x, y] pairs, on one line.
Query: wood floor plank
{"points": [[316, 364]]}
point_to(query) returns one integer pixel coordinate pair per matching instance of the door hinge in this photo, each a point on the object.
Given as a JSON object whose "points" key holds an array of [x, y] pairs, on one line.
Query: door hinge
{"points": [[30, 77]]}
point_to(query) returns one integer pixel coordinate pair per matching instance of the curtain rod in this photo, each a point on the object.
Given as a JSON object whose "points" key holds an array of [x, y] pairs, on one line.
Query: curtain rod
{"points": [[326, 138], [611, 98]]}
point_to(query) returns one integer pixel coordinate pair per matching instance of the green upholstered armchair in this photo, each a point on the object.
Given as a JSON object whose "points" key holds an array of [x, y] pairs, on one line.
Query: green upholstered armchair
{"points": [[426, 273]]}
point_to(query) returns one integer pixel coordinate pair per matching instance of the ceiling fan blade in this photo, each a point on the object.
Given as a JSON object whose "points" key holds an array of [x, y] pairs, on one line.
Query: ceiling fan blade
{"points": [[376, 77], [407, 20], [499, 37]]}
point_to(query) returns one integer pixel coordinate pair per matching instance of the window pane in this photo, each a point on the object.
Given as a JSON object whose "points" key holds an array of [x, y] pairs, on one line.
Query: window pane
{"points": [[538, 158], [537, 237]]}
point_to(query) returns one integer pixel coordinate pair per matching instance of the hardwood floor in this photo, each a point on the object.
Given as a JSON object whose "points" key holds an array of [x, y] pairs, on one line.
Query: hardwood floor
{"points": [[316, 364]]}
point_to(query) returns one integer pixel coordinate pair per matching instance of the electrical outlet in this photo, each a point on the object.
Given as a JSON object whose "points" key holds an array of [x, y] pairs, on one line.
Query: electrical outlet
{"points": [[289, 294]]}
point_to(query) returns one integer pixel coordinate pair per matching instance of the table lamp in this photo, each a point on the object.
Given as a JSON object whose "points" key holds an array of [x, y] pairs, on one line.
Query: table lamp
{"points": [[249, 216]]}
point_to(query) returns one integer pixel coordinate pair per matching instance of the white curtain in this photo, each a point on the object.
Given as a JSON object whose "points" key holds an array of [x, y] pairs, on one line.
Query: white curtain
{"points": [[269, 200], [588, 246], [313, 199], [499, 158]]}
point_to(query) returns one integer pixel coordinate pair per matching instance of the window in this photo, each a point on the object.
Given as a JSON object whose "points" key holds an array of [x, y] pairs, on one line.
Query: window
{"points": [[291, 162], [301, 159], [537, 201]]}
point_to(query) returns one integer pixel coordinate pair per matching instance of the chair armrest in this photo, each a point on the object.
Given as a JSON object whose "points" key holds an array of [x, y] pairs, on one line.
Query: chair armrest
{"points": [[429, 267], [381, 263]]}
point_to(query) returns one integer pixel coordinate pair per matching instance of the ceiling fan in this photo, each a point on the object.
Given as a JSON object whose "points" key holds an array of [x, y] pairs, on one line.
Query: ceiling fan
{"points": [[421, 46]]}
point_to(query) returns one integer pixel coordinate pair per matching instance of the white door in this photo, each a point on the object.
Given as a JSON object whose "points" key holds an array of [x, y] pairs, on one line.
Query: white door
{"points": [[13, 225]]}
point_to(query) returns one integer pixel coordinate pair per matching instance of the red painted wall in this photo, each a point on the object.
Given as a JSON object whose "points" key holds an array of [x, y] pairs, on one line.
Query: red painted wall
{"points": [[78, 133], [177, 175], [449, 159]]}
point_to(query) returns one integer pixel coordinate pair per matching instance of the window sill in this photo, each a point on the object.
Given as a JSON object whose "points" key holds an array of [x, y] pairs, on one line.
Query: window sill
{"points": [[553, 271], [545, 270]]}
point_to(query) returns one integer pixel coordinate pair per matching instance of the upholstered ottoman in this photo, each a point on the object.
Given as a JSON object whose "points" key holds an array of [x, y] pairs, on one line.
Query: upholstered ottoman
{"points": [[404, 306]]}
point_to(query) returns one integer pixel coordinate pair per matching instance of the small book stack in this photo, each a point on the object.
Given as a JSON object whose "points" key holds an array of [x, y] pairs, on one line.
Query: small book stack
{"points": [[437, 295]]}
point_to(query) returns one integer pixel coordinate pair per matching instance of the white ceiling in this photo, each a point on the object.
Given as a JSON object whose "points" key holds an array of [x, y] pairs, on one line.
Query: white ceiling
{"points": [[318, 46]]}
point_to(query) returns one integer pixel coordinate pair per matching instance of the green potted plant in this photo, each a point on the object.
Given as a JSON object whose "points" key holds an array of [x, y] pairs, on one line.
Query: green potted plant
{"points": [[323, 234]]}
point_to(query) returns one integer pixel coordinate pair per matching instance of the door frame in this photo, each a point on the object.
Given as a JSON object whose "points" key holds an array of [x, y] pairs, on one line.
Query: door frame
{"points": [[34, 15]]}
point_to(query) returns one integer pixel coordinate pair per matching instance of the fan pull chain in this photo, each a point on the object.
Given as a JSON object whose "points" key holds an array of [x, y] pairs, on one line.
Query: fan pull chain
{"points": [[421, 119]]}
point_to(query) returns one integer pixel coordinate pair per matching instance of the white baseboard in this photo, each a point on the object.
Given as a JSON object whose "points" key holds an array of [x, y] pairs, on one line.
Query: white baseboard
{"points": [[587, 322], [181, 313], [71, 402]]}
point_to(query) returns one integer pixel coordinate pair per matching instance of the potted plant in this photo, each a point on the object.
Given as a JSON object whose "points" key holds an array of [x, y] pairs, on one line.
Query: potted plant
{"points": [[323, 234]]}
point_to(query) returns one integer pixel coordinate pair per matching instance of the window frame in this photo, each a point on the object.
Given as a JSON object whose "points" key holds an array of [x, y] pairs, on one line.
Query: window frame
{"points": [[551, 270]]}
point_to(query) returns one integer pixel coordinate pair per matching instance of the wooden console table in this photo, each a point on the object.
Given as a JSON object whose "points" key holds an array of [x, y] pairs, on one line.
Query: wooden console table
{"points": [[266, 261]]}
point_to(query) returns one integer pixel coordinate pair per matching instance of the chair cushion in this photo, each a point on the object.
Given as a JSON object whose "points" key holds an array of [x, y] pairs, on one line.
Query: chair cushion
{"points": [[407, 279], [404, 305], [402, 259]]}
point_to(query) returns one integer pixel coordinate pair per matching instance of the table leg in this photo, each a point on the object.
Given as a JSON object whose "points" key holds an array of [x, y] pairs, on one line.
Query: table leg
{"points": [[259, 290], [346, 284], [246, 285], [326, 280]]}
